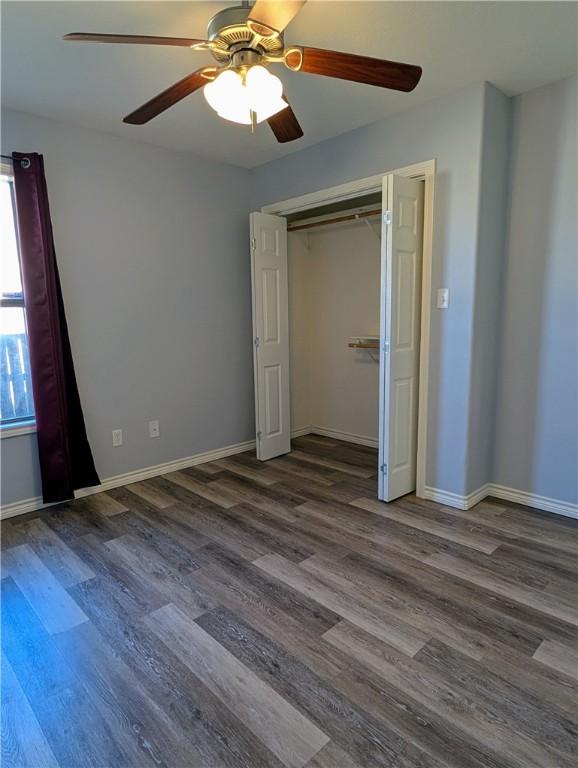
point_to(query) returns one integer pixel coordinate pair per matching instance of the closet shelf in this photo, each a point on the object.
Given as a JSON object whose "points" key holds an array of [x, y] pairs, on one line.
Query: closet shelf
{"points": [[363, 342], [357, 216]]}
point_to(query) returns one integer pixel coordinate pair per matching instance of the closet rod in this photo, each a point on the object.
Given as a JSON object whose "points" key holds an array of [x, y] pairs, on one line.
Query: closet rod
{"points": [[349, 217]]}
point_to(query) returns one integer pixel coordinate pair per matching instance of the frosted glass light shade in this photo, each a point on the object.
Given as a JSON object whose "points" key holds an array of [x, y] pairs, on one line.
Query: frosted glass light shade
{"points": [[265, 92], [226, 95], [234, 99]]}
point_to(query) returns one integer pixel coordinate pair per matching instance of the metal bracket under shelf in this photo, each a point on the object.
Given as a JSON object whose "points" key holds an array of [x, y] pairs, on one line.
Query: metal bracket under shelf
{"points": [[374, 230], [369, 344]]}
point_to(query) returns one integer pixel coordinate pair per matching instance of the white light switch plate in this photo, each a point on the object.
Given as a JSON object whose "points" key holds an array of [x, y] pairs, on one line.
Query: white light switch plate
{"points": [[443, 298], [116, 437], [154, 430]]}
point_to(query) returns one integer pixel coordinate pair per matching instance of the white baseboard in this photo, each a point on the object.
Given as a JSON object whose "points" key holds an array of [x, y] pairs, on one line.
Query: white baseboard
{"points": [[506, 494], [34, 504], [301, 431], [533, 500], [454, 499], [22, 507], [433, 494], [347, 437]]}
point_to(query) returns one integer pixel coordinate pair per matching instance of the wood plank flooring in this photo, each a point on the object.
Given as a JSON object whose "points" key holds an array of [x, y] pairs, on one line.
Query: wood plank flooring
{"points": [[248, 615]]}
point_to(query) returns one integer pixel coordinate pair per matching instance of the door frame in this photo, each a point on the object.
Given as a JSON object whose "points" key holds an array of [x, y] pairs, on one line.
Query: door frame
{"points": [[426, 172]]}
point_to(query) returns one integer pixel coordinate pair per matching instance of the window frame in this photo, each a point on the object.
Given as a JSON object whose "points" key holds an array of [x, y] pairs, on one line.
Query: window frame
{"points": [[14, 428]]}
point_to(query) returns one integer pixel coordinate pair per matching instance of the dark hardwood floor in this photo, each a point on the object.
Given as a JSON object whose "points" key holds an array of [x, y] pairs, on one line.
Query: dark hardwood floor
{"points": [[240, 615]]}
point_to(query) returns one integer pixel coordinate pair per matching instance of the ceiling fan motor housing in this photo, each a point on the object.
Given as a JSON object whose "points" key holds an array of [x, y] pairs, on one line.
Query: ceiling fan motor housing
{"points": [[229, 29]]}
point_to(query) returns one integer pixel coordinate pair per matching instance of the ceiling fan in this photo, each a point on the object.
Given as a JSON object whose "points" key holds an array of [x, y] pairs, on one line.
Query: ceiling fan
{"points": [[244, 40]]}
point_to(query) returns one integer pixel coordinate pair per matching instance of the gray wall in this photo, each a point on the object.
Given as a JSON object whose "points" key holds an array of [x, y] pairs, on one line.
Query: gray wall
{"points": [[492, 221], [450, 130], [536, 427], [153, 253]]}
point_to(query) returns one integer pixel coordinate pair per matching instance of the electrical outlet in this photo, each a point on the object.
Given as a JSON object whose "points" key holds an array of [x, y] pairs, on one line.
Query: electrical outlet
{"points": [[116, 437], [443, 298], [154, 430]]}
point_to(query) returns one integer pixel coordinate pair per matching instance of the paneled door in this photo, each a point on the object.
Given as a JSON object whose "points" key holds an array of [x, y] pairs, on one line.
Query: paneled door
{"points": [[401, 262], [270, 334]]}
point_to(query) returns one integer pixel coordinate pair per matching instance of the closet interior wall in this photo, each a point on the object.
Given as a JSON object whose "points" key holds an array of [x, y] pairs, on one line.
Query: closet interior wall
{"points": [[334, 292]]}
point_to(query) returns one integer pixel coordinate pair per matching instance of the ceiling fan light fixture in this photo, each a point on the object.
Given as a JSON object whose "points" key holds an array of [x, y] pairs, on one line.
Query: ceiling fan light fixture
{"points": [[226, 95], [236, 115], [264, 112], [234, 98], [265, 92], [244, 40]]}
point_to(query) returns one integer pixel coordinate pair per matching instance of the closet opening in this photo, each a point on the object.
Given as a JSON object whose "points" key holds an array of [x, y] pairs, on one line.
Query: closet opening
{"points": [[340, 283], [334, 266]]}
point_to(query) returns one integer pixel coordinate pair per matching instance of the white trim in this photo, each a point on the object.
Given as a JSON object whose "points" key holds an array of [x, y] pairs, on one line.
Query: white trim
{"points": [[348, 191], [7, 171], [533, 500], [17, 430], [454, 499], [543, 503], [429, 175], [302, 431], [347, 437], [22, 507], [425, 170], [34, 504]]}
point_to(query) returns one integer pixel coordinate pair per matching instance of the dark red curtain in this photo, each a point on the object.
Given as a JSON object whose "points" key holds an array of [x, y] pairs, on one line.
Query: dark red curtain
{"points": [[66, 461]]}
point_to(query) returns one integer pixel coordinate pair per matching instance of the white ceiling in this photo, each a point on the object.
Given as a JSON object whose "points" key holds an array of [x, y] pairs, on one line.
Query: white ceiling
{"points": [[514, 45]]}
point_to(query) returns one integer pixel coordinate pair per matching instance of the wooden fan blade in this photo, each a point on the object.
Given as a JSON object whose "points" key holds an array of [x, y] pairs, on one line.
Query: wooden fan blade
{"points": [[166, 99], [359, 69], [270, 17], [285, 125], [88, 37]]}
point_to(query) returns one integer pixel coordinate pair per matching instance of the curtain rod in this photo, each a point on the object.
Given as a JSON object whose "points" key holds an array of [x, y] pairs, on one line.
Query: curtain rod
{"points": [[348, 217], [24, 161]]}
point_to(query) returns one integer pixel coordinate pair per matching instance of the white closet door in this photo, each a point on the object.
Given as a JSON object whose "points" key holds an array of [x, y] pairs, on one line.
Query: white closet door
{"points": [[270, 334], [400, 334]]}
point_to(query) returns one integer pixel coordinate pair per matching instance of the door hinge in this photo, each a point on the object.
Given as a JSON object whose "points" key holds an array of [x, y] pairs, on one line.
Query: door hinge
{"points": [[387, 217], [258, 435], [256, 341], [386, 346], [384, 469], [253, 244]]}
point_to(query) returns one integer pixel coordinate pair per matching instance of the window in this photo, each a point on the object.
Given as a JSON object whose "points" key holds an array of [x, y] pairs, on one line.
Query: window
{"points": [[16, 406]]}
